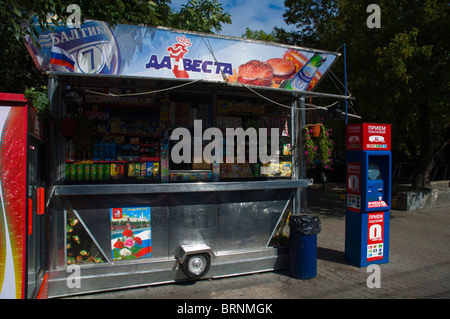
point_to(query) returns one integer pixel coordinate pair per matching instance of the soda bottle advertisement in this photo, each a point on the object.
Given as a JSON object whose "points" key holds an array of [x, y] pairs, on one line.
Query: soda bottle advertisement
{"points": [[303, 78], [13, 128], [157, 52]]}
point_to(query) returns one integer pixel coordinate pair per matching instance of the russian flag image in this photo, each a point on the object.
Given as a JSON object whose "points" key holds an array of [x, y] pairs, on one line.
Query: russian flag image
{"points": [[61, 57]]}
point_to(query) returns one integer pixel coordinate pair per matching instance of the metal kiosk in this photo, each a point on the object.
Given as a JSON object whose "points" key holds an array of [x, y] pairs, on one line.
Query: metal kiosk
{"points": [[123, 211]]}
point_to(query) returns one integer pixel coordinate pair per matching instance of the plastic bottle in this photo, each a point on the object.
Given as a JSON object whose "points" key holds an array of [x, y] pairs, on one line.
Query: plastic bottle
{"points": [[303, 77]]}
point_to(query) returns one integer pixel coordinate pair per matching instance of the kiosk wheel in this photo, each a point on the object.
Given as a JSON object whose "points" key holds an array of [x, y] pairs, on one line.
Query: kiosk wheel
{"points": [[196, 266]]}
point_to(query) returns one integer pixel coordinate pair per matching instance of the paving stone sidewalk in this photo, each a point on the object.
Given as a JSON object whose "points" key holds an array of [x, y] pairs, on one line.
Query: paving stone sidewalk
{"points": [[419, 265]]}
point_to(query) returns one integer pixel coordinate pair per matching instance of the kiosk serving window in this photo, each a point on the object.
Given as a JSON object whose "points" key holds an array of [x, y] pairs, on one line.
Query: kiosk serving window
{"points": [[168, 138]]}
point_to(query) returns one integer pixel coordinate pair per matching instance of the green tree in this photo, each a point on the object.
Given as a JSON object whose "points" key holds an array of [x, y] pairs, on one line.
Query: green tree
{"points": [[17, 69], [200, 15], [398, 73], [260, 35], [18, 72]]}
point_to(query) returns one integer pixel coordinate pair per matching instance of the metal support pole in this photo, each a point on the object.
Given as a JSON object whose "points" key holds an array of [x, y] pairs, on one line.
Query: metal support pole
{"points": [[303, 200], [295, 149], [52, 136], [298, 122], [345, 83]]}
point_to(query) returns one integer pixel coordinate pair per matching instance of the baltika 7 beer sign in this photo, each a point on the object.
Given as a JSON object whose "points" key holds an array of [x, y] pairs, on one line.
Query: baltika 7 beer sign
{"points": [[369, 137], [162, 53]]}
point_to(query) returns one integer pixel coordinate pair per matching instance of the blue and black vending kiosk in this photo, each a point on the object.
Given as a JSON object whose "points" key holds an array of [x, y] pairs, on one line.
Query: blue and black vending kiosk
{"points": [[369, 167]]}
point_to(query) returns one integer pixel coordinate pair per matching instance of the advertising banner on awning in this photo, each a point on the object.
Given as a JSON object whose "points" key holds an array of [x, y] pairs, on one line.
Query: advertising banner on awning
{"points": [[163, 53]]}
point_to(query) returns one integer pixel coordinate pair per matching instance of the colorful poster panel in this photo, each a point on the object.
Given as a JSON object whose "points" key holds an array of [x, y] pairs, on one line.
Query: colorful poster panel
{"points": [[354, 187], [13, 145], [375, 236], [131, 234]]}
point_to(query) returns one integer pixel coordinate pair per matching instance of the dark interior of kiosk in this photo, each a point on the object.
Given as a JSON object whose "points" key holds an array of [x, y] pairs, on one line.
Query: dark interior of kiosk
{"points": [[122, 135]]}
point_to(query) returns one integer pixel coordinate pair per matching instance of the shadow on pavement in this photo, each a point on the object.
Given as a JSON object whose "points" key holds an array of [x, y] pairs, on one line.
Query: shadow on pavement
{"points": [[331, 255]]}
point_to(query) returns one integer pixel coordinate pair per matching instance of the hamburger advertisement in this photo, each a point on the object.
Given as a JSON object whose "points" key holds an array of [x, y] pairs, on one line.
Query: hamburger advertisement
{"points": [[163, 53]]}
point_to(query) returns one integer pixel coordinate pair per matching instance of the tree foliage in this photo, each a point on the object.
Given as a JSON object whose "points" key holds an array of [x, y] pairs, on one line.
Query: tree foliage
{"points": [[260, 35], [18, 72], [16, 67], [200, 15], [398, 73]]}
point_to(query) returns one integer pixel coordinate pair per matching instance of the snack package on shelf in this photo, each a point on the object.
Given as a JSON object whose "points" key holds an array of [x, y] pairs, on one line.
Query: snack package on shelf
{"points": [[116, 171], [235, 170]]}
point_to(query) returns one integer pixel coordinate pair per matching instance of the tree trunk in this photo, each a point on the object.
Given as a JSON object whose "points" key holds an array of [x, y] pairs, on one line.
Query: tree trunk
{"points": [[422, 172], [424, 162]]}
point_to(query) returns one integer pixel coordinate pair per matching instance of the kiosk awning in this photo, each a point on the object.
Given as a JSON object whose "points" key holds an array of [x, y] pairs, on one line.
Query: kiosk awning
{"points": [[164, 53]]}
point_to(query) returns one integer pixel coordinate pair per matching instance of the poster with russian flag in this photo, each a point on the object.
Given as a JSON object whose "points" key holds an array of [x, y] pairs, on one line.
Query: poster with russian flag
{"points": [[61, 57], [131, 234]]}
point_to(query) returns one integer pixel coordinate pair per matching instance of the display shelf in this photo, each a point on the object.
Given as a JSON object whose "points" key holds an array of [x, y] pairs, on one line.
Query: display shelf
{"points": [[104, 189], [149, 159]]}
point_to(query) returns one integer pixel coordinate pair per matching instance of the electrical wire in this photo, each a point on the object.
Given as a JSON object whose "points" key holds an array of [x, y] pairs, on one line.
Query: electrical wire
{"points": [[209, 46], [311, 106], [145, 93], [279, 104]]}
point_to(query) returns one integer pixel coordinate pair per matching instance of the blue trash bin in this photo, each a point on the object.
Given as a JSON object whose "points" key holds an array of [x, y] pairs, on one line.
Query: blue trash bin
{"points": [[303, 245]]}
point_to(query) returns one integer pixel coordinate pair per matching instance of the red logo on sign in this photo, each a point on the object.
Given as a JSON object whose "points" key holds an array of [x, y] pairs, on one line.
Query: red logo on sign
{"points": [[369, 136], [117, 213], [176, 53], [379, 203]]}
